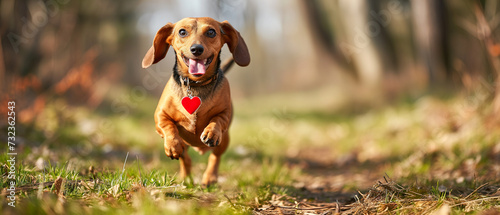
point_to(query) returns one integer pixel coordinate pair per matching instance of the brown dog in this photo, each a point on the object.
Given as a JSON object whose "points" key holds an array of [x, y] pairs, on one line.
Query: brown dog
{"points": [[195, 107]]}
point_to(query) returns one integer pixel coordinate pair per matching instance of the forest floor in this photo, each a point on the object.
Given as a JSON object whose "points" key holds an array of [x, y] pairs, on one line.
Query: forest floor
{"points": [[429, 154]]}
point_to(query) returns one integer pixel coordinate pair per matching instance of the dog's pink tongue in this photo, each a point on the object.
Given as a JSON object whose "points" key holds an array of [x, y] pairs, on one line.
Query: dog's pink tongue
{"points": [[196, 67]]}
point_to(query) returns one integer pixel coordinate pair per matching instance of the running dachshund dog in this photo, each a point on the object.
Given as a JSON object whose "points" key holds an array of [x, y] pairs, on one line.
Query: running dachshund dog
{"points": [[195, 107]]}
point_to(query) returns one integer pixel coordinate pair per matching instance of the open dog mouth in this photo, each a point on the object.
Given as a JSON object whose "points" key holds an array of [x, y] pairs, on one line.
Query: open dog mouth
{"points": [[197, 67]]}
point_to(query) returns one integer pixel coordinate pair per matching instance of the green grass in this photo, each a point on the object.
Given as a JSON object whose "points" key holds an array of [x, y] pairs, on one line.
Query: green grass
{"points": [[135, 189], [433, 152]]}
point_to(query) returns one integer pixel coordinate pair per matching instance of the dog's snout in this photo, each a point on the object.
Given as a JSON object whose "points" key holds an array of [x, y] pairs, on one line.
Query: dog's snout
{"points": [[197, 49]]}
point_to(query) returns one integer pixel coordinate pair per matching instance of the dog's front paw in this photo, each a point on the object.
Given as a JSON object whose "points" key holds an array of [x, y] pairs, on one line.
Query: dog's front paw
{"points": [[174, 148], [211, 136]]}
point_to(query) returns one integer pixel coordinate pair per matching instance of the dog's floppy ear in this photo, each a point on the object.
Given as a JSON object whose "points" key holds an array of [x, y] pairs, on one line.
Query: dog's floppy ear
{"points": [[160, 46], [235, 43]]}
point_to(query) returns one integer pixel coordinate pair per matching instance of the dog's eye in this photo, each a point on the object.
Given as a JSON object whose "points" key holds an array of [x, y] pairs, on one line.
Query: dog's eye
{"points": [[211, 33], [183, 33]]}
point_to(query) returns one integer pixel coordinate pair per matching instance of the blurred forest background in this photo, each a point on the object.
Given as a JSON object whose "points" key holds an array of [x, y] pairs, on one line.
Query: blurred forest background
{"points": [[338, 93], [369, 51], [352, 51]]}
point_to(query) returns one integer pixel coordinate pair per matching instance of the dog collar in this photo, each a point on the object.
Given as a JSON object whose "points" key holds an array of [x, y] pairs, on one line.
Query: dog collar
{"points": [[188, 82]]}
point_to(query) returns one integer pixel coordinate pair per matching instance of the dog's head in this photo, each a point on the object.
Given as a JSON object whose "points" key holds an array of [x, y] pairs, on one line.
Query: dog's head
{"points": [[197, 42]]}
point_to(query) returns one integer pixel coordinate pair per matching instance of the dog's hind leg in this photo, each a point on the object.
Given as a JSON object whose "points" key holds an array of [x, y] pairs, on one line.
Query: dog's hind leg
{"points": [[185, 167]]}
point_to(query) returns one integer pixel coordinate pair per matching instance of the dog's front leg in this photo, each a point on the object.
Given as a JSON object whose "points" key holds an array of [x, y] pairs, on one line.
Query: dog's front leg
{"points": [[212, 134], [173, 143], [216, 135]]}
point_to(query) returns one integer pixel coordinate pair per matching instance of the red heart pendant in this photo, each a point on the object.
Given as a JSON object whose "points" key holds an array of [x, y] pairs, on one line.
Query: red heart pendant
{"points": [[191, 104]]}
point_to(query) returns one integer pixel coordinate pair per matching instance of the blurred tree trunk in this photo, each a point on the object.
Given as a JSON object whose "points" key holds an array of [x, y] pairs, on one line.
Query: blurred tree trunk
{"points": [[358, 46], [430, 33], [343, 30], [321, 22]]}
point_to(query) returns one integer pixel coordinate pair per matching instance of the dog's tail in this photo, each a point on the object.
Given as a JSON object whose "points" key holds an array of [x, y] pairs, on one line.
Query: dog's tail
{"points": [[227, 64]]}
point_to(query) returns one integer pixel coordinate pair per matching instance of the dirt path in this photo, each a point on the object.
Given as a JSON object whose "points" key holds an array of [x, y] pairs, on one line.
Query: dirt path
{"points": [[327, 186]]}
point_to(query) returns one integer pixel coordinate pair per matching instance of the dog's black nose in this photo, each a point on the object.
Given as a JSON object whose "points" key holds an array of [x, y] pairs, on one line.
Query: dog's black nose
{"points": [[197, 49]]}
